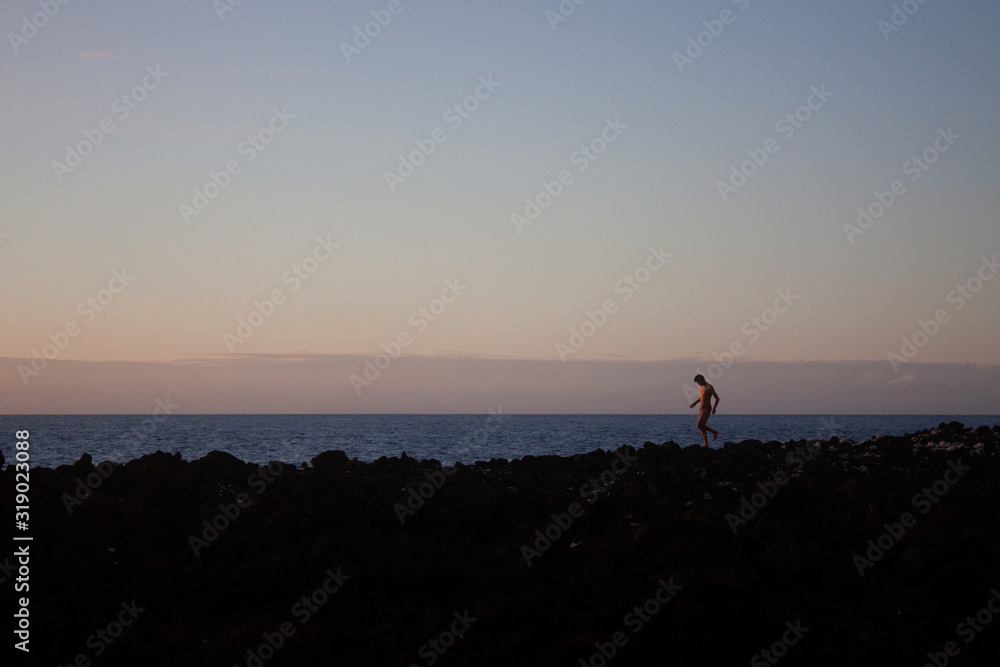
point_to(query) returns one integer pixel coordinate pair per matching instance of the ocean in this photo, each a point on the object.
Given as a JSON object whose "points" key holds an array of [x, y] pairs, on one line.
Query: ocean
{"points": [[62, 439]]}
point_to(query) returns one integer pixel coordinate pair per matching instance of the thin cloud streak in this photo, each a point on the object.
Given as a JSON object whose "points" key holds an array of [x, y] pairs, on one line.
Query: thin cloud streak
{"points": [[319, 384]]}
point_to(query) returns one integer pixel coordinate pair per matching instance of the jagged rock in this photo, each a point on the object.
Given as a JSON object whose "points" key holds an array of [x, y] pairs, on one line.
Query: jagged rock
{"points": [[756, 538]]}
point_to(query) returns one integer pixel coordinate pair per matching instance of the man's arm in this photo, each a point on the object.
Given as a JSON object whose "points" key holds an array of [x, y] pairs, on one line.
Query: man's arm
{"points": [[717, 399]]}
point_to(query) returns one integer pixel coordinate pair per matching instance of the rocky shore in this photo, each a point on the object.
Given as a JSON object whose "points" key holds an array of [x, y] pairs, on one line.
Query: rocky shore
{"points": [[885, 552]]}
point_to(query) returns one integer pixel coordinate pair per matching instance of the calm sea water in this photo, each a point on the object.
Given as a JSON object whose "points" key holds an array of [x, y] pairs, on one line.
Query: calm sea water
{"points": [[62, 439]]}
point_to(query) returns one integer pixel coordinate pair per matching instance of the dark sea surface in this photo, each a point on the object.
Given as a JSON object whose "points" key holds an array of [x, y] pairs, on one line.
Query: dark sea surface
{"points": [[62, 439]]}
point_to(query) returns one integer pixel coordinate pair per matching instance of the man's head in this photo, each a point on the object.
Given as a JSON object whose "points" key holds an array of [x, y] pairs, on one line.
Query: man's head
{"points": [[700, 380]]}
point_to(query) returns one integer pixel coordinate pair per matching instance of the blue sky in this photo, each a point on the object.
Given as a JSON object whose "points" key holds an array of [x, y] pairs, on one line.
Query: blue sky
{"points": [[656, 185]]}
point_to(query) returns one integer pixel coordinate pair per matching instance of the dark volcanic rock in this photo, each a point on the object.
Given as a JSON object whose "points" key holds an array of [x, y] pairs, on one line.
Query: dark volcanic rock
{"points": [[879, 548]]}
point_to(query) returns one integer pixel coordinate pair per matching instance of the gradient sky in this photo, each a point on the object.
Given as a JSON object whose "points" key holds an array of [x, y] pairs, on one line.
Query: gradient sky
{"points": [[655, 186]]}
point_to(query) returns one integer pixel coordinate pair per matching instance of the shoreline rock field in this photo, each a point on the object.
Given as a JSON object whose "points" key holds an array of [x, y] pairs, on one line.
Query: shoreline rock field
{"points": [[799, 553]]}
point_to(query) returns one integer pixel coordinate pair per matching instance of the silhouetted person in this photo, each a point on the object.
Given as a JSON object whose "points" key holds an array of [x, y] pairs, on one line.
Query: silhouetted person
{"points": [[707, 409]]}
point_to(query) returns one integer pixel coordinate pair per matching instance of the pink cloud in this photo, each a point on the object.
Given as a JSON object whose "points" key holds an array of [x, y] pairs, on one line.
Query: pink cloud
{"points": [[320, 384]]}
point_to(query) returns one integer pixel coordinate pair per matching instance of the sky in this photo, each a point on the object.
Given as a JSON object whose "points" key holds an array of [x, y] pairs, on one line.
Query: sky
{"points": [[473, 202]]}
